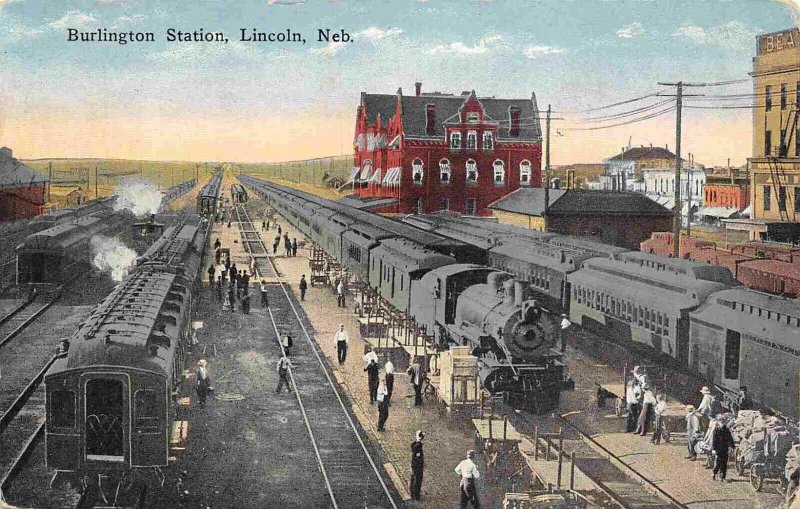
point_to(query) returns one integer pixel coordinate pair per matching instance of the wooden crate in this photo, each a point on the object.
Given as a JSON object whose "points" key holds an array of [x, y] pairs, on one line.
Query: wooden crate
{"points": [[458, 382]]}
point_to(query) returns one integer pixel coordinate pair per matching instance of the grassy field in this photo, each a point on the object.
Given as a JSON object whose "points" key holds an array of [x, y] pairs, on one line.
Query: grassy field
{"points": [[316, 172], [718, 236]]}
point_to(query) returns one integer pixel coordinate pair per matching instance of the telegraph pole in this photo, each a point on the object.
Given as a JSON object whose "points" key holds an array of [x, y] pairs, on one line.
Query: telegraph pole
{"points": [[96, 195], [547, 169], [679, 95]]}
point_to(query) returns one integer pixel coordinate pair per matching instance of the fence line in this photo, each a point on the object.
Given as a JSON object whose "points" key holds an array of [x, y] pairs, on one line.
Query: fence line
{"points": [[331, 171]]}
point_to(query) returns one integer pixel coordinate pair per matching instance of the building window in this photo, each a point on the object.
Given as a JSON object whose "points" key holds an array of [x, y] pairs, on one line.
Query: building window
{"points": [[767, 143], [416, 172], [782, 199], [783, 96], [797, 199], [418, 206], [797, 142], [783, 150], [525, 173], [488, 141], [444, 171], [455, 140], [513, 115], [370, 141], [499, 173], [768, 98], [767, 198], [472, 118], [445, 204], [472, 140], [472, 171], [469, 209], [430, 118]]}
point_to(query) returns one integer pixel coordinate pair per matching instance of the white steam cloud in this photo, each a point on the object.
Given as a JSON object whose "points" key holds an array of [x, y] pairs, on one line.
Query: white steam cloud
{"points": [[139, 196], [111, 255]]}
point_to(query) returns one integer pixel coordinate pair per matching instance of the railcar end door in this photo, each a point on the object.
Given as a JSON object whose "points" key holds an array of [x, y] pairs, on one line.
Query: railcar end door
{"points": [[106, 416]]}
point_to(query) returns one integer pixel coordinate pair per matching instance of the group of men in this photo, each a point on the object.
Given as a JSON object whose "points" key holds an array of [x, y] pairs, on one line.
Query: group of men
{"points": [[289, 246]]}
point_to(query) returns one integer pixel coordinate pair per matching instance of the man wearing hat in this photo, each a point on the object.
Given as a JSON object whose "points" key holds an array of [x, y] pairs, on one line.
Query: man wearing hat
{"points": [[417, 466], [721, 442], [341, 338], [706, 405], [203, 382], [565, 323], [468, 471], [693, 434]]}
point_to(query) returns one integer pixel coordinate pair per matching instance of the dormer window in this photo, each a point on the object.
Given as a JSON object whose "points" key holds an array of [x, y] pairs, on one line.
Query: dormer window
{"points": [[488, 140], [472, 140], [370, 141], [472, 171], [499, 173], [525, 173], [455, 140], [472, 118], [416, 172], [444, 171], [513, 114], [430, 118]]}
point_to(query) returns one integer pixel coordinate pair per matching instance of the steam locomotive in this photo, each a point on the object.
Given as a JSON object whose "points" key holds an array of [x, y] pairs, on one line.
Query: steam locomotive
{"points": [[444, 285], [109, 395]]}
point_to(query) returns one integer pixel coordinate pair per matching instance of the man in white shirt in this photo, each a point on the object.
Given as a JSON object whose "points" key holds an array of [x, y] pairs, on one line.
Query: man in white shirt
{"points": [[415, 372], [340, 294], [659, 433], [383, 405], [371, 355], [468, 471], [632, 393], [284, 365], [565, 323], [341, 338], [388, 370]]}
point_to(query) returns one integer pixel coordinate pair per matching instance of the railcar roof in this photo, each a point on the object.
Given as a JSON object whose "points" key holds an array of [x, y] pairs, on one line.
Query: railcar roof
{"points": [[777, 267], [561, 260], [731, 309], [121, 330], [457, 268], [412, 256], [586, 245], [689, 268], [61, 235]]}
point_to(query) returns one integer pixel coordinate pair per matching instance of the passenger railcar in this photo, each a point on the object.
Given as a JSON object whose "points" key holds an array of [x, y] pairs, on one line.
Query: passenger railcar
{"points": [[61, 252], [208, 198], [109, 397], [238, 194]]}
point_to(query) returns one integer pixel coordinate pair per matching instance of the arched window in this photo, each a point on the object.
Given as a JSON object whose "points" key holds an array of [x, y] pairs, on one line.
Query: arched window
{"points": [[472, 171], [488, 140], [525, 173], [416, 172], [499, 172], [444, 171]]}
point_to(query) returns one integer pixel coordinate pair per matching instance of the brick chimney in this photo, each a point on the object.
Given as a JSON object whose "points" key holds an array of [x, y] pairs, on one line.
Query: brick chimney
{"points": [[5, 152], [418, 88]]}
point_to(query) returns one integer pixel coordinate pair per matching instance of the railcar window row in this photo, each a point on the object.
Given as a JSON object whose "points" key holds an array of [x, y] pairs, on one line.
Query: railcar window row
{"points": [[769, 315], [641, 316]]}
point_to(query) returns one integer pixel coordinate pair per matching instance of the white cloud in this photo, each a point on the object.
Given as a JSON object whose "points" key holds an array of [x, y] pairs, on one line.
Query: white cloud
{"points": [[630, 31], [73, 19], [488, 42], [133, 20], [285, 2], [732, 35], [537, 51], [18, 32], [331, 49], [376, 34]]}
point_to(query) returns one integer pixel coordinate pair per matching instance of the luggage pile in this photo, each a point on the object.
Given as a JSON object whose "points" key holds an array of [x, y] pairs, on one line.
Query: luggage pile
{"points": [[766, 448]]}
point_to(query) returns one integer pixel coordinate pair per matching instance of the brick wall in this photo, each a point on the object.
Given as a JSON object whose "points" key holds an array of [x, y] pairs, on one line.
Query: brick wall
{"points": [[623, 231], [21, 202]]}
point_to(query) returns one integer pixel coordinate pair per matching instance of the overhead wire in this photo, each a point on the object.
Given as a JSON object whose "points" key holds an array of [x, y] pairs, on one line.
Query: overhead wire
{"points": [[627, 122]]}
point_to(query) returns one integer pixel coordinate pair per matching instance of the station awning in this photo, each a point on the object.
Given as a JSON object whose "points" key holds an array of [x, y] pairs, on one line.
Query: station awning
{"points": [[722, 212], [392, 176], [747, 212], [376, 177]]}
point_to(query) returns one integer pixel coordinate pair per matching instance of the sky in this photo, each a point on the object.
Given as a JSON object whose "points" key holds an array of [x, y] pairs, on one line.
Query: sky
{"points": [[251, 102]]}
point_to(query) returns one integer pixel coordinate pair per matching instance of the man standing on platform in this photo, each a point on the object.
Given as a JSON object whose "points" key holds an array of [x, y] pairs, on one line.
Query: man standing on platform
{"points": [[383, 405], [693, 433], [303, 287], [341, 338], [388, 370], [468, 471], [372, 370], [211, 271], [264, 298], [565, 323], [417, 466], [203, 382], [294, 247], [415, 371], [340, 293]]}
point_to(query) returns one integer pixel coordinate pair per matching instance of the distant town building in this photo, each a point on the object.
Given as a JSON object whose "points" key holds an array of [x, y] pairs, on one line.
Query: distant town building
{"points": [[659, 186], [23, 191], [434, 151], [620, 218], [631, 161], [726, 195], [775, 165]]}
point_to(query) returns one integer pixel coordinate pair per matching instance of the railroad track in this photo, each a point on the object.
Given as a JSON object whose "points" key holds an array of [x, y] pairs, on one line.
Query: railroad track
{"points": [[351, 475]]}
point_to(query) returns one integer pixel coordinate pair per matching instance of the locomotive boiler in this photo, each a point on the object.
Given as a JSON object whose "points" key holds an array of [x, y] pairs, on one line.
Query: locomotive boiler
{"points": [[495, 315]]}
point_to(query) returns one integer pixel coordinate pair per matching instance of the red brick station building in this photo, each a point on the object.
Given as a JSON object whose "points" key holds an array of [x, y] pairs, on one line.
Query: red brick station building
{"points": [[433, 151]]}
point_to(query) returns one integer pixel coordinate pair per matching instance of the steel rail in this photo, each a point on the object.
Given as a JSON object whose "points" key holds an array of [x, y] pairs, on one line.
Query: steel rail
{"points": [[327, 376]]}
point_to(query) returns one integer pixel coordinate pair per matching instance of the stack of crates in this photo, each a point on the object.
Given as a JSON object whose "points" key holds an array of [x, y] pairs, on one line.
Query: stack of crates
{"points": [[458, 382]]}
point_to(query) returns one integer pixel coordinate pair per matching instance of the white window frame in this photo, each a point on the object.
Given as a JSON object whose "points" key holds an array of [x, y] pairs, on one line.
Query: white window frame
{"points": [[525, 170], [417, 168], [472, 140], [488, 140], [498, 164], [475, 208], [473, 117], [445, 173], [471, 162], [455, 139]]}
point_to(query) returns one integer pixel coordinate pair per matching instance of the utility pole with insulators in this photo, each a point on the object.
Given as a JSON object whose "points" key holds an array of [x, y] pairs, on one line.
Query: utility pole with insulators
{"points": [[547, 168]]}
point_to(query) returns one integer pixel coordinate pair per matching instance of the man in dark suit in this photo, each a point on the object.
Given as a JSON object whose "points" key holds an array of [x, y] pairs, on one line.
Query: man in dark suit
{"points": [[417, 466], [372, 370], [415, 371]]}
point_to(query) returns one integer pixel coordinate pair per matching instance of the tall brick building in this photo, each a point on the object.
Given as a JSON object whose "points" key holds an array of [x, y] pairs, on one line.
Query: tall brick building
{"points": [[22, 190], [434, 151]]}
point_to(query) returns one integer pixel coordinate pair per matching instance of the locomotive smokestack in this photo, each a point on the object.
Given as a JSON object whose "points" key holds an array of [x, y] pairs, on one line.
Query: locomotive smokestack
{"points": [[508, 292]]}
